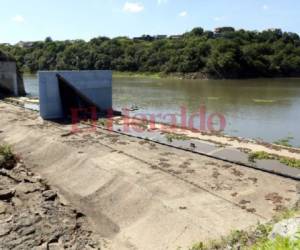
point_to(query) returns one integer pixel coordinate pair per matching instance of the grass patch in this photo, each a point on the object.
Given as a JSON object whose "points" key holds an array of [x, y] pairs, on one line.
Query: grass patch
{"points": [[256, 239], [284, 142], [102, 122], [237, 239], [6, 152], [291, 162], [179, 137], [280, 243], [261, 155], [7, 158]]}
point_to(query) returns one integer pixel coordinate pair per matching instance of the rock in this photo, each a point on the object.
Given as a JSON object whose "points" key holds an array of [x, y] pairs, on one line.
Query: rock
{"points": [[64, 201], [17, 242], [6, 194], [17, 202], [42, 247], [36, 179], [49, 195], [26, 221], [286, 228], [26, 231], [7, 219], [4, 229], [3, 207], [55, 246], [27, 188]]}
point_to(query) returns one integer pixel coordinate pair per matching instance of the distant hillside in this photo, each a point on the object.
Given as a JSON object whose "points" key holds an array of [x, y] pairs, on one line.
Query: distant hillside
{"points": [[224, 53]]}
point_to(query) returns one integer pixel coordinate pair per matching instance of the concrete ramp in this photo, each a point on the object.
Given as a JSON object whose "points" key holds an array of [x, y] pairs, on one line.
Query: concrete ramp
{"points": [[141, 195]]}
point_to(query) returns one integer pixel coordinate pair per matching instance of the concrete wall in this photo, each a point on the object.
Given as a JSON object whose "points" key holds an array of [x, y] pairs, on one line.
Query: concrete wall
{"points": [[10, 81], [96, 84]]}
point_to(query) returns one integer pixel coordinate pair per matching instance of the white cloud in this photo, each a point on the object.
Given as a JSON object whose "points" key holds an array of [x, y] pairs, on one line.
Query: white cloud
{"points": [[265, 7], [218, 18], [133, 7], [18, 19], [159, 2], [183, 14]]}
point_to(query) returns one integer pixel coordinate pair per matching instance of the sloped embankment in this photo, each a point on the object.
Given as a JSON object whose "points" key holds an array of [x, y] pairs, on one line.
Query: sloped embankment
{"points": [[142, 195], [32, 216]]}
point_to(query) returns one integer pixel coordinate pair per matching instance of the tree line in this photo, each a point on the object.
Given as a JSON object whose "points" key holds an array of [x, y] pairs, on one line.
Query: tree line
{"points": [[224, 53]]}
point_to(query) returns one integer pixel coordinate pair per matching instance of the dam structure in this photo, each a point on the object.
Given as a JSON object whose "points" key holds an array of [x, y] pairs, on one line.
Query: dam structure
{"points": [[62, 91], [11, 82]]}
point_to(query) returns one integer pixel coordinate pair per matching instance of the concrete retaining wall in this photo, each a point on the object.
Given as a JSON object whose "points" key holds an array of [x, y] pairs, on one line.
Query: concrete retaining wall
{"points": [[10, 81], [95, 84]]}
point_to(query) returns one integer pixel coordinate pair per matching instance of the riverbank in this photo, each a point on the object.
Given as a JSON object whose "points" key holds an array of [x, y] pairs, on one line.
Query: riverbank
{"points": [[125, 185], [176, 75], [160, 75], [138, 74], [192, 76]]}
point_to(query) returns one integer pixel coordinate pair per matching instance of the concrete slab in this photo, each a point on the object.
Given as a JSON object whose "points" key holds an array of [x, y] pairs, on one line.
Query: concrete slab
{"points": [[277, 167], [232, 155]]}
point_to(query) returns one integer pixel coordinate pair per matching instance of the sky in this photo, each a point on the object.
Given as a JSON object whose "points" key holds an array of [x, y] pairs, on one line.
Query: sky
{"points": [[33, 20]]}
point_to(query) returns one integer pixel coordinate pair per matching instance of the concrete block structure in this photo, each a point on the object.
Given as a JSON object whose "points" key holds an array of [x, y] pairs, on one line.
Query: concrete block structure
{"points": [[60, 91], [10, 80]]}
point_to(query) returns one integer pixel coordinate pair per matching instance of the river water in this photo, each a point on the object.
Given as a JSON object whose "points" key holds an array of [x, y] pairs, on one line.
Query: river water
{"points": [[267, 109]]}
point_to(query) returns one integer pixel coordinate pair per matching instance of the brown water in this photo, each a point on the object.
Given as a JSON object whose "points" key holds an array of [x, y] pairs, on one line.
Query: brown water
{"points": [[260, 108]]}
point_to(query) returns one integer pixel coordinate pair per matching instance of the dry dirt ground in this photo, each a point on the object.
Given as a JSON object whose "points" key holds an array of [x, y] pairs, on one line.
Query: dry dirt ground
{"points": [[141, 195]]}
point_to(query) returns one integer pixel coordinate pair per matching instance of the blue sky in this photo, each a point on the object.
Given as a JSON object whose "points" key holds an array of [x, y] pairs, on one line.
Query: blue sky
{"points": [[84, 19]]}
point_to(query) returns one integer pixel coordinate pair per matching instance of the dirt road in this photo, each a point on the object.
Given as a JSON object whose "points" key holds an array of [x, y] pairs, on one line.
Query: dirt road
{"points": [[141, 195]]}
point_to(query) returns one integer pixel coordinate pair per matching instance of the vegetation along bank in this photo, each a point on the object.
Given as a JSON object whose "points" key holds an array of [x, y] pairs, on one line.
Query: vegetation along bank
{"points": [[224, 53]]}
